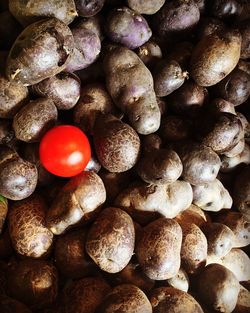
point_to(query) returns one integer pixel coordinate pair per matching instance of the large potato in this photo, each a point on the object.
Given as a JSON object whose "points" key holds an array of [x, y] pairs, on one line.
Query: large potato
{"points": [[40, 51], [158, 249], [131, 86], [214, 57], [111, 239]]}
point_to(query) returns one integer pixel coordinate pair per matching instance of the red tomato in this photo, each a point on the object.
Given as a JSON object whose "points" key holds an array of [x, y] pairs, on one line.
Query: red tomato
{"points": [[65, 151]]}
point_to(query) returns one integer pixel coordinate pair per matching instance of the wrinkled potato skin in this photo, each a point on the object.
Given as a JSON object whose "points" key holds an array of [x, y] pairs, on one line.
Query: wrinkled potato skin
{"points": [[126, 299], [214, 57], [172, 300], [146, 7], [28, 232], [78, 200], [34, 120], [111, 239], [13, 96], [50, 41], [158, 250], [130, 84]]}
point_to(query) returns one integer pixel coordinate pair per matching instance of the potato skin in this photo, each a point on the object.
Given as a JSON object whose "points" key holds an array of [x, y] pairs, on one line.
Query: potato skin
{"points": [[3, 211], [89, 8], [32, 281], [241, 191], [221, 289], [174, 128], [27, 14], [34, 120], [111, 239], [146, 7], [158, 250], [149, 53], [26, 221], [63, 89], [8, 304], [126, 299], [208, 65], [50, 41], [180, 281], [245, 33], [134, 96], [79, 200], [172, 300], [84, 295], [12, 97], [117, 144]]}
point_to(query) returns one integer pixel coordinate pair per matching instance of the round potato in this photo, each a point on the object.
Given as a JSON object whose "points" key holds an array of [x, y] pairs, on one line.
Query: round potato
{"points": [[111, 239], [158, 249]]}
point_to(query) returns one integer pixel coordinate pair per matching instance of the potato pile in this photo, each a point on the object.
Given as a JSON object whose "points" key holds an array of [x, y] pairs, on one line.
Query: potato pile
{"points": [[159, 221]]}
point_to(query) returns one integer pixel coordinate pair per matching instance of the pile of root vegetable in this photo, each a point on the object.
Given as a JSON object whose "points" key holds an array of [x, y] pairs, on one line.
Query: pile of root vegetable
{"points": [[159, 221]]}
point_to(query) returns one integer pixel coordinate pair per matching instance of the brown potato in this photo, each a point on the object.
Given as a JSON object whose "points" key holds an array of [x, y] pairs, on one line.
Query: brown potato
{"points": [[221, 105], [240, 226], [32, 281], [79, 200], [18, 178], [145, 202], [174, 128], [28, 232], [94, 100], [181, 53], [193, 248], [8, 304], [34, 120], [244, 65], [245, 33], [231, 163], [27, 14], [214, 57], [221, 288], [63, 89], [50, 41], [146, 7], [13, 96], [130, 85], [158, 250], [208, 26], [149, 53], [3, 211], [241, 191], [111, 239], [6, 132], [172, 300], [117, 144], [84, 295], [71, 257], [193, 215], [125, 299], [236, 150], [243, 302], [180, 281]]}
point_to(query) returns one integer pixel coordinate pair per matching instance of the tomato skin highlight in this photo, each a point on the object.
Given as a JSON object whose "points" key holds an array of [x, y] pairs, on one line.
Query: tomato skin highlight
{"points": [[65, 151]]}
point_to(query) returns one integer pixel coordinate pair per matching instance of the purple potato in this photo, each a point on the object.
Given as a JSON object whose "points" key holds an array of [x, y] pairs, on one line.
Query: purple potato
{"points": [[88, 8]]}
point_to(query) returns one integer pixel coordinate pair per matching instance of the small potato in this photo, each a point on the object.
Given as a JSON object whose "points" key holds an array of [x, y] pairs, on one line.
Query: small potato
{"points": [[219, 238], [229, 164], [174, 128], [180, 281], [125, 298], [130, 85], [33, 282], [158, 249], [200, 163], [63, 89], [7, 304], [168, 76], [238, 262], [176, 17], [225, 9], [172, 300], [212, 196], [94, 99], [149, 53], [234, 88], [214, 57], [159, 167], [117, 144], [89, 8], [146, 7], [193, 248], [26, 13], [241, 190], [71, 257], [193, 215], [34, 120], [126, 27], [18, 178], [218, 287], [13, 96], [3, 211], [111, 239], [28, 232], [240, 226], [50, 41], [84, 295], [79, 200], [143, 201]]}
